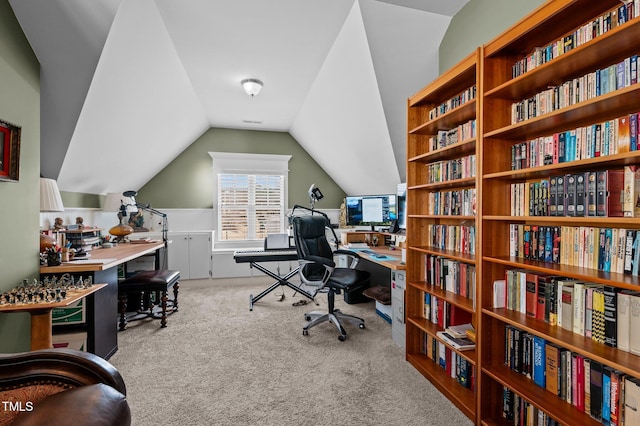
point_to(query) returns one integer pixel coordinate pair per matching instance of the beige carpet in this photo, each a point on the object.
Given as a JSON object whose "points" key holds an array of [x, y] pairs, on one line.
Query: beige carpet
{"points": [[217, 363]]}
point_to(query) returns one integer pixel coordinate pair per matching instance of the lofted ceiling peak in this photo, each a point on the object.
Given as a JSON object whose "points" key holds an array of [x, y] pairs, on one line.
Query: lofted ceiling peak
{"points": [[135, 82]]}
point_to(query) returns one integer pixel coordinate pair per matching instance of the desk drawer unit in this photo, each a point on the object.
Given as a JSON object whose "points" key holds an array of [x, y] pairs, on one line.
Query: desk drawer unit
{"points": [[398, 280]]}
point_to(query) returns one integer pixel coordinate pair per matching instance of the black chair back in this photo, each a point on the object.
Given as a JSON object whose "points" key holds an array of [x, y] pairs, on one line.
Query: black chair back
{"points": [[311, 240]]}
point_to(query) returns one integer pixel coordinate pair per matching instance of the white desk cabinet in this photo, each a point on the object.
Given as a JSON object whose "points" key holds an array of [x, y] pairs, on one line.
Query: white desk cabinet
{"points": [[398, 281], [190, 253]]}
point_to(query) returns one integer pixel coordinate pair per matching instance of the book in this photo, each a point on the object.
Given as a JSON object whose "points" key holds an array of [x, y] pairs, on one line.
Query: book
{"points": [[610, 308], [631, 401], [597, 322], [623, 319], [614, 402], [459, 331], [539, 358], [595, 390], [566, 312], [532, 294], [609, 189], [499, 294], [552, 371], [634, 323], [458, 343], [606, 394], [591, 203]]}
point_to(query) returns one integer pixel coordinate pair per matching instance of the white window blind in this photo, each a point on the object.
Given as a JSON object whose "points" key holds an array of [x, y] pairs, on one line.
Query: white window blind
{"points": [[250, 196], [250, 206]]}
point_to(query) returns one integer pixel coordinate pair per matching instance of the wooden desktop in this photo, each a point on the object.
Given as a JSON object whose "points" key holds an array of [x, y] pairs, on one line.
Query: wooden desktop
{"points": [[102, 307]]}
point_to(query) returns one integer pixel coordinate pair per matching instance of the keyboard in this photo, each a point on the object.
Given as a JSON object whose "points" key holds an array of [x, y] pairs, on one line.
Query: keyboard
{"points": [[248, 256]]}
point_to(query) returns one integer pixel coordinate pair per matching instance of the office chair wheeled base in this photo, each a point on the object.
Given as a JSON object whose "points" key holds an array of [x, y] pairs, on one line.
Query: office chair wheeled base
{"points": [[335, 317]]}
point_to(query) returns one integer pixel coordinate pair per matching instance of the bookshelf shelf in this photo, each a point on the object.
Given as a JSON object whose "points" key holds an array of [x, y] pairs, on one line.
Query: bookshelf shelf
{"points": [[452, 151], [462, 397], [553, 21], [609, 161], [454, 299], [629, 282], [620, 360], [448, 120], [609, 47], [461, 257], [422, 130], [558, 409], [490, 69]]}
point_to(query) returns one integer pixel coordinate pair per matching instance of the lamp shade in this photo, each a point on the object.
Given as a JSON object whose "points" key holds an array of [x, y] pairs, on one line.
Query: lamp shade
{"points": [[50, 199]]}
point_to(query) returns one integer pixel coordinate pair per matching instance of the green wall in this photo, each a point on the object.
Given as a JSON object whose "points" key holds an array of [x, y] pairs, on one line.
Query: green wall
{"points": [[477, 23], [19, 201], [187, 182]]}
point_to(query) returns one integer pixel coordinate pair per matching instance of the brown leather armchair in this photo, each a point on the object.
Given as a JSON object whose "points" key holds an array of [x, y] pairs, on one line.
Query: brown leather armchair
{"points": [[61, 387]]}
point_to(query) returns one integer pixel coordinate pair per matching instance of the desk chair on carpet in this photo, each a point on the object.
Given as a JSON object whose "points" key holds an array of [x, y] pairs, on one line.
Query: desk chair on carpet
{"points": [[318, 269], [142, 284]]}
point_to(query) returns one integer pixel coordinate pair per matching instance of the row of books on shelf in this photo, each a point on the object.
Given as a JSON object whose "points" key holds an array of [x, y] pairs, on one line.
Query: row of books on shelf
{"points": [[603, 249], [451, 275], [604, 393], [442, 313], [587, 32], [458, 238], [461, 202], [460, 133], [458, 168], [456, 101], [603, 193], [610, 137], [455, 366], [520, 412], [597, 83], [605, 314]]}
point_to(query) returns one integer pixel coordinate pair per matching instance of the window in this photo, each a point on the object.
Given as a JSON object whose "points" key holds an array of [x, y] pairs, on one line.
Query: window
{"points": [[250, 196]]}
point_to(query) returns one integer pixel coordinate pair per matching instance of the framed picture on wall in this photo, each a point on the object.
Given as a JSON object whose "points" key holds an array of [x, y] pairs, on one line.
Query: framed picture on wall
{"points": [[9, 151]]}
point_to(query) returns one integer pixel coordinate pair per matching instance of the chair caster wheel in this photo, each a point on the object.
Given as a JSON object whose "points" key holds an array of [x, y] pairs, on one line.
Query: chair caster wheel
{"points": [[307, 318], [342, 338], [361, 326], [305, 332]]}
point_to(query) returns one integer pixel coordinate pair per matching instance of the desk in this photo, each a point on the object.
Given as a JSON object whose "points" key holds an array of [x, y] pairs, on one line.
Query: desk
{"points": [[102, 307], [41, 319], [388, 271]]}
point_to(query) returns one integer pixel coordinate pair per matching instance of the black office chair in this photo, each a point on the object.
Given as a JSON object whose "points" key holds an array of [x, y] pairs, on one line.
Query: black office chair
{"points": [[318, 269]]}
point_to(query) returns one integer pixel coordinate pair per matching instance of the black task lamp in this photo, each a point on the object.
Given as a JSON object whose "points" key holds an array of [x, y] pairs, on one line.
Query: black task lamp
{"points": [[314, 195], [147, 207]]}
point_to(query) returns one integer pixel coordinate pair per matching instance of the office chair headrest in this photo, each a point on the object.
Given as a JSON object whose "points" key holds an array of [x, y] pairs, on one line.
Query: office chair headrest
{"points": [[310, 226]]}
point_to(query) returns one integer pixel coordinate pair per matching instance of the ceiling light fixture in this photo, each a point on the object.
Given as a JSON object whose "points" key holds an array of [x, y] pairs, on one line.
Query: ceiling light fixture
{"points": [[251, 86]]}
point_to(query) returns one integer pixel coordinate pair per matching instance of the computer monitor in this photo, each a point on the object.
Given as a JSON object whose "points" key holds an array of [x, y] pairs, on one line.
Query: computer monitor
{"points": [[371, 210], [402, 212]]}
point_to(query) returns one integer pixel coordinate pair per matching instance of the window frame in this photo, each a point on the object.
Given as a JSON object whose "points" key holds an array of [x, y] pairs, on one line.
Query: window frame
{"points": [[248, 164]]}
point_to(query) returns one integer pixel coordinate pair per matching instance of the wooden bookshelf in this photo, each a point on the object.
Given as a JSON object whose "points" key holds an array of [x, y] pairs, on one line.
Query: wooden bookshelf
{"points": [[421, 153], [552, 21], [498, 87]]}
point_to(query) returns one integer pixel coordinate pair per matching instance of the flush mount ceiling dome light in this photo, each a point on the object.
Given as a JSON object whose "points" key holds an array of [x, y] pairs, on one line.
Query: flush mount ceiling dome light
{"points": [[251, 86]]}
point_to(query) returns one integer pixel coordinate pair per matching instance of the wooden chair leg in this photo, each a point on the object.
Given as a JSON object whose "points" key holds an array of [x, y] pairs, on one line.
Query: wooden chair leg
{"points": [[163, 320], [176, 286], [123, 311]]}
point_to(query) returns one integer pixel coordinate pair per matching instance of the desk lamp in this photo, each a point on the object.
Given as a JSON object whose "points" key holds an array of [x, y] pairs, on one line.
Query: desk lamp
{"points": [[131, 196], [314, 195], [50, 201]]}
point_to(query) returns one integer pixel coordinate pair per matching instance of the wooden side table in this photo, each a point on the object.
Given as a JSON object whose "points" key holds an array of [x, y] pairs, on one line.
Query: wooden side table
{"points": [[41, 315]]}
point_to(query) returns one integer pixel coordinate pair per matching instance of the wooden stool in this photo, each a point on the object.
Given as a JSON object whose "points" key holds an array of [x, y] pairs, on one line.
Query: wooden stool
{"points": [[144, 283]]}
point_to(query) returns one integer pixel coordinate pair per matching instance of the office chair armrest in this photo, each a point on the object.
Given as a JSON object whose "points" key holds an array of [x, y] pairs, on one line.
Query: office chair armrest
{"points": [[319, 259], [353, 257]]}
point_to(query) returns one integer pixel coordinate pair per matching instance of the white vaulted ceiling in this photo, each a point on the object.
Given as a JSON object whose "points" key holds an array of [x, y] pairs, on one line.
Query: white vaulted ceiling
{"points": [[126, 85]]}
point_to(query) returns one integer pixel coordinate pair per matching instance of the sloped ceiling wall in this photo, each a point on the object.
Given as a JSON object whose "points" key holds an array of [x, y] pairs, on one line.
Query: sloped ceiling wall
{"points": [[129, 84]]}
